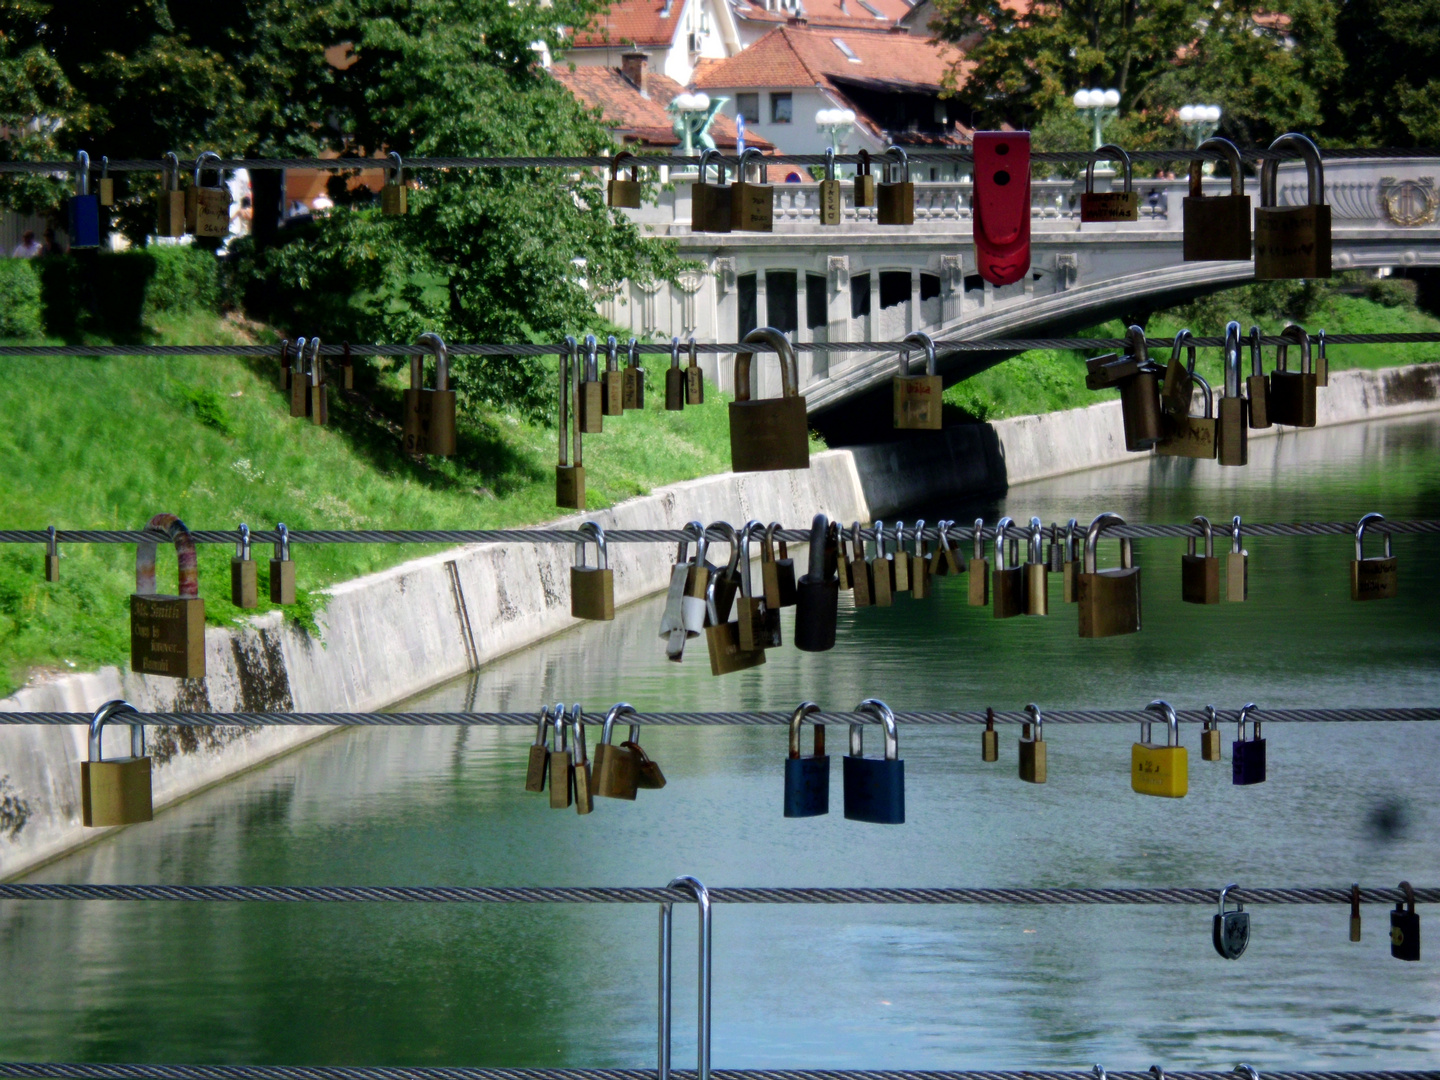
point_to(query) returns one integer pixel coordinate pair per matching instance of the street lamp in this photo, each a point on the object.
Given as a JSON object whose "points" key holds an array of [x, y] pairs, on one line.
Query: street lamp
{"points": [[836, 124], [1199, 121], [693, 113], [1102, 105]]}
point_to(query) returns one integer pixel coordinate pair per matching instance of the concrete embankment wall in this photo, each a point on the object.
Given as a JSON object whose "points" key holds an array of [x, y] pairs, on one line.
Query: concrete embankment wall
{"points": [[392, 634]]}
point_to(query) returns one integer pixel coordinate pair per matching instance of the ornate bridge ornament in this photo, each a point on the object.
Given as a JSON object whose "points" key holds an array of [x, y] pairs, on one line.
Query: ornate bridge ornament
{"points": [[689, 282], [1409, 202]]}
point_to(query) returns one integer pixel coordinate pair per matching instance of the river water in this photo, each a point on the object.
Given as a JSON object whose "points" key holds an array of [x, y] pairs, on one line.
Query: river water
{"points": [[852, 986]]}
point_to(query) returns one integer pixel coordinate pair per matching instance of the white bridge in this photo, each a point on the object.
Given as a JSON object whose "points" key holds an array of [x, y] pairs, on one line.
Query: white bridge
{"points": [[860, 281]]}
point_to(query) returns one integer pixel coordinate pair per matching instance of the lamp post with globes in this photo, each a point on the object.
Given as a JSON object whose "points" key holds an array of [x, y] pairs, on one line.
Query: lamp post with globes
{"points": [[835, 125], [692, 115], [1199, 122], [1102, 107]]}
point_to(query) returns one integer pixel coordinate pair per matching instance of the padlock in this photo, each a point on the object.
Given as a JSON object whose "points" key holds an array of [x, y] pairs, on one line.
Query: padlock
{"points": [[1247, 756], [1200, 574], [919, 565], [1217, 227], [632, 391], [590, 395], [244, 584], [1037, 573], [170, 203], [895, 199], [769, 433], [300, 380], [624, 193], [1070, 576], [900, 562], [615, 774], [1109, 205], [207, 209], [1322, 362], [1355, 912], [430, 414], [674, 380], [282, 569], [1000, 207], [347, 368], [817, 595], [1055, 554], [943, 562], [807, 779], [864, 180], [394, 195], [537, 766], [1210, 736], [917, 397], [723, 641], [1007, 582], [1257, 385], [107, 183], [318, 406], [1373, 579], [694, 378], [673, 630], [612, 382], [1232, 425], [989, 738], [115, 792], [167, 633], [1292, 393], [777, 575], [52, 555], [562, 763], [727, 577], [592, 588], [861, 581], [1137, 379], [875, 787], [695, 603], [569, 476], [84, 208], [831, 202], [1160, 768], [752, 204], [1405, 926], [1230, 931], [584, 785], [978, 568], [1292, 241], [882, 571], [710, 203], [1178, 387], [759, 624], [647, 773], [1032, 749], [1237, 566], [1109, 600], [286, 372]]}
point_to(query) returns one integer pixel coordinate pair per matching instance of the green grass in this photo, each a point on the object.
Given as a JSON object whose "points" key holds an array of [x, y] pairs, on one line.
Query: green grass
{"points": [[108, 442]]}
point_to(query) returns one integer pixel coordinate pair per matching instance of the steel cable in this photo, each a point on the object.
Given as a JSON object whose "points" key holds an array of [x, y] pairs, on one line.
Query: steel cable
{"points": [[33, 1070]]}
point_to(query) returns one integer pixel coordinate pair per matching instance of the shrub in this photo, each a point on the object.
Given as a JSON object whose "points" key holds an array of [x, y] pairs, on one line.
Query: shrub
{"points": [[19, 299], [184, 278]]}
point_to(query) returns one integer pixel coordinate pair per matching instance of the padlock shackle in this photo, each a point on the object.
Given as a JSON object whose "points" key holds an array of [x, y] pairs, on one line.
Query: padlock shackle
{"points": [[282, 546], [82, 173], [1035, 718], [1235, 535], [1002, 533], [1070, 529], [862, 167], [704, 970], [577, 726], [145, 552], [731, 537], [1245, 711], [1136, 348], [1206, 393], [566, 361], [694, 358], [712, 613], [170, 171], [314, 366], [693, 531], [1037, 540], [899, 538], [748, 530], [789, 371], [1108, 152], [919, 537], [611, 353], [716, 158], [633, 357], [1224, 893], [1409, 900], [767, 543], [1092, 538], [829, 163], [52, 546], [201, 158], [977, 539], [1231, 157], [1172, 738], [1206, 531], [619, 709], [436, 345], [542, 726], [396, 163], [902, 162], [109, 711], [1360, 526], [1184, 339], [923, 341], [1295, 333], [1314, 170], [674, 354], [591, 371], [819, 527], [1232, 359], [879, 530], [1246, 1072], [881, 712], [1212, 718], [751, 155], [804, 709], [596, 536], [1257, 356], [942, 535], [618, 160]]}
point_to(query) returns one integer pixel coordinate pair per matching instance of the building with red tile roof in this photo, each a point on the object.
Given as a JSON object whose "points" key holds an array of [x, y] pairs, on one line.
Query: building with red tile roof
{"points": [[675, 33]]}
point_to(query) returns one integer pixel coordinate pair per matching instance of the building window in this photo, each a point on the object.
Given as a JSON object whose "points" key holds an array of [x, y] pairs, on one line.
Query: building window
{"points": [[817, 301], [781, 109], [745, 300], [894, 287], [748, 106], [859, 295], [929, 287], [780, 301]]}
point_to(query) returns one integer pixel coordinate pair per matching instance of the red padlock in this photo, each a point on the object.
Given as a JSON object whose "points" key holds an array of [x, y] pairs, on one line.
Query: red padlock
{"points": [[1002, 205]]}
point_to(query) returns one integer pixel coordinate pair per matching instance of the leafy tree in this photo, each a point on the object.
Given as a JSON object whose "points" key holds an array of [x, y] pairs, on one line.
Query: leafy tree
{"points": [[1391, 92]]}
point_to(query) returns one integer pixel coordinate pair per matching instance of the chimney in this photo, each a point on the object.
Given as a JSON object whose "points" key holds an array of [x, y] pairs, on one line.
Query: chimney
{"points": [[634, 66]]}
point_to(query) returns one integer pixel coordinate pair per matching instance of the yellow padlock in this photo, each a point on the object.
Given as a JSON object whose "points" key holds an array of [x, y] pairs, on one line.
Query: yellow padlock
{"points": [[115, 792], [1160, 769]]}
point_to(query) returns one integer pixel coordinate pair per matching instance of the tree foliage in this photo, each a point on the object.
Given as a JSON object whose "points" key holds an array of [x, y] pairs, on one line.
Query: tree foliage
{"points": [[1390, 95]]}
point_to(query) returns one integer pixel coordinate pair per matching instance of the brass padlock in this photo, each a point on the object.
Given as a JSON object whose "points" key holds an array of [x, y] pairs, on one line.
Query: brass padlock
{"points": [[694, 378], [1121, 205], [244, 584], [287, 374], [710, 203], [1138, 380], [612, 382], [300, 380], [615, 772], [831, 202], [647, 773], [777, 573], [675, 380], [107, 183], [1232, 426], [752, 205], [1037, 573], [989, 738], [864, 181], [769, 433], [1200, 574], [170, 203], [1007, 581], [317, 394], [118, 791], [1032, 749], [1210, 736], [1070, 575], [167, 633], [1292, 393], [632, 393], [727, 577], [590, 393], [918, 397], [1292, 241], [895, 200], [624, 193], [1322, 362], [943, 562], [860, 573], [1109, 600], [207, 209], [1217, 227], [562, 764], [282, 569], [835, 545], [394, 195], [429, 426], [1237, 566], [52, 555], [1191, 436], [584, 787], [978, 568], [759, 624], [1257, 385], [919, 565], [1373, 579], [592, 588], [901, 561], [1178, 387], [537, 765], [882, 571], [722, 639], [347, 368], [569, 476]]}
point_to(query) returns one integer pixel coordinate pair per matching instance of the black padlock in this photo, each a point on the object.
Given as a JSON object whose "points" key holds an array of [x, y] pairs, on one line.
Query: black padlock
{"points": [[1404, 922], [817, 595], [1247, 757], [875, 787], [807, 779], [1231, 932]]}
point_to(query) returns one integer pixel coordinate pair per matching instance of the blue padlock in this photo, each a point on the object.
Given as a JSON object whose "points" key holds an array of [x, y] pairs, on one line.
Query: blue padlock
{"points": [[1247, 756], [875, 787], [84, 208], [807, 779]]}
